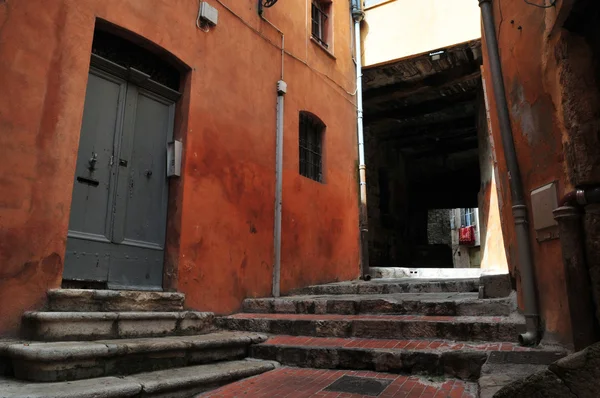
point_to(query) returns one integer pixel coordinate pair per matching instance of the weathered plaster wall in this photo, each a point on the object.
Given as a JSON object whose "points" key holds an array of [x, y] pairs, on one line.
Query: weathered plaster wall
{"points": [[400, 29], [438, 227], [220, 237], [549, 92], [491, 237]]}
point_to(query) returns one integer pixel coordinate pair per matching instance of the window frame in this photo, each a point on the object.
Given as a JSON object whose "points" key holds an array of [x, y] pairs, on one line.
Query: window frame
{"points": [[468, 217], [322, 9], [311, 138]]}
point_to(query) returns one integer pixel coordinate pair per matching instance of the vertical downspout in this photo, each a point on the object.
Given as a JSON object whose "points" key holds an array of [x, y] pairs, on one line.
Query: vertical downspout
{"points": [[358, 15], [531, 336], [281, 90]]}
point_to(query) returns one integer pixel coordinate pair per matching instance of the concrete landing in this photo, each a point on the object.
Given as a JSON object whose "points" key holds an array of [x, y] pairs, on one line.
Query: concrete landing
{"points": [[440, 273]]}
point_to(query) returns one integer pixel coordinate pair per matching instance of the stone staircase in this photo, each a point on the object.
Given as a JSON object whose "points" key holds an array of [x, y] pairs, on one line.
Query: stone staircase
{"points": [[99, 343], [430, 328]]}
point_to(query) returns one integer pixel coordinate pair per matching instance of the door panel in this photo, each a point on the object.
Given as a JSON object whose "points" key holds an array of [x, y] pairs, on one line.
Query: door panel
{"points": [[120, 194], [141, 211], [91, 207]]}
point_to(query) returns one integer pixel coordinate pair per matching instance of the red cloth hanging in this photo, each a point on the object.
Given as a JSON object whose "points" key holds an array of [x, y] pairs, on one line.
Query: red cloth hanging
{"points": [[466, 235]]}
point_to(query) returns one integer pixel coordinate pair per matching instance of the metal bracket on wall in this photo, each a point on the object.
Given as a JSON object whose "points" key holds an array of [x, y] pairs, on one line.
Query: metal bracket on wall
{"points": [[265, 4]]}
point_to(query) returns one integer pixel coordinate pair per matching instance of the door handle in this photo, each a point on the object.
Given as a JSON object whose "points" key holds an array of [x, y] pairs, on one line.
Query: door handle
{"points": [[92, 162]]}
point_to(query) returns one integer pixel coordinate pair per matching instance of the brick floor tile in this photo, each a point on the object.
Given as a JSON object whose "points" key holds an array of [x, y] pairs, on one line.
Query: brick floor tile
{"points": [[304, 383]]}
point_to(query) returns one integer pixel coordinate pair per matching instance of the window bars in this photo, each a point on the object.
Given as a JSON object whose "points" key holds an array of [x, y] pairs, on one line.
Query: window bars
{"points": [[311, 146]]}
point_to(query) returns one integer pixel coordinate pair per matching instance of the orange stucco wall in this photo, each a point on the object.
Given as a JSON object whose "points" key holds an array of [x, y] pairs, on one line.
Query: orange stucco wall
{"points": [[223, 251], [533, 51]]}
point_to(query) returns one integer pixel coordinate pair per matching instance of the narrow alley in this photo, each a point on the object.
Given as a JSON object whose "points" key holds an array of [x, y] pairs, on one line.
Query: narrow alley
{"points": [[305, 198]]}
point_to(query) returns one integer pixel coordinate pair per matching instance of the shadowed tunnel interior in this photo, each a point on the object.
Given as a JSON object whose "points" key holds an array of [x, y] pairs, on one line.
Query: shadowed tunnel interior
{"points": [[422, 150]]}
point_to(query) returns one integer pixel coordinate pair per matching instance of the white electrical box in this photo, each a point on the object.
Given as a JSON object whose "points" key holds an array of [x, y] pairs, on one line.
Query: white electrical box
{"points": [[174, 155], [543, 201], [208, 14]]}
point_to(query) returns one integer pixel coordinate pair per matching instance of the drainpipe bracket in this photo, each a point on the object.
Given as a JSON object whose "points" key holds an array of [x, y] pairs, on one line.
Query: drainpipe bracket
{"points": [[357, 14], [520, 214], [281, 88], [566, 212]]}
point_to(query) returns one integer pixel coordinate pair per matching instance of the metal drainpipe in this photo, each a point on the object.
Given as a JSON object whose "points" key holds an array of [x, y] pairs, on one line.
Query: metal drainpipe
{"points": [[281, 91], [577, 276], [531, 336], [358, 15]]}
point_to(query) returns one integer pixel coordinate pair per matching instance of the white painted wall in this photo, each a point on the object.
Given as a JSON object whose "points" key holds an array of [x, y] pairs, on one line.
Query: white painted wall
{"points": [[401, 28]]}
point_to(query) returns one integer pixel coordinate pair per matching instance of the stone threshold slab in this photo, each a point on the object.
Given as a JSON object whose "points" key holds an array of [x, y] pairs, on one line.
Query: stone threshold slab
{"points": [[173, 383], [59, 361]]}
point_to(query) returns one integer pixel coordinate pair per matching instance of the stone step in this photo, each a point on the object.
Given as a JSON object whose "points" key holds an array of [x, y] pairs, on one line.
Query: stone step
{"points": [[403, 272], [61, 361], [173, 383], [432, 357], [486, 328], [451, 304], [84, 300], [495, 377], [387, 286], [69, 326]]}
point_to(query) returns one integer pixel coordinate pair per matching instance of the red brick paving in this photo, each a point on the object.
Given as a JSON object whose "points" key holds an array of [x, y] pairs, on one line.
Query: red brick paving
{"points": [[391, 344], [335, 317], [299, 383]]}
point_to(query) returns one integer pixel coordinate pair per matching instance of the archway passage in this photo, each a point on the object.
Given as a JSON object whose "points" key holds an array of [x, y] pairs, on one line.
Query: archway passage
{"points": [[118, 218], [423, 161]]}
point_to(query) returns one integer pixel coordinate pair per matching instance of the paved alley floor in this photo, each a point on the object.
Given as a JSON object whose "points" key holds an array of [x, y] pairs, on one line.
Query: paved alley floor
{"points": [[300, 382]]}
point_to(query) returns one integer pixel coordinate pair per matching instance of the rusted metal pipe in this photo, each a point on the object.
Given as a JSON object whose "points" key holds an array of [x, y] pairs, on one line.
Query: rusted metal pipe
{"points": [[577, 277], [581, 197], [532, 335]]}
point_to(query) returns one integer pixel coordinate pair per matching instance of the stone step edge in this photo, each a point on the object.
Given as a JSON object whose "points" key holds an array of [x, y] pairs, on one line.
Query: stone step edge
{"points": [[109, 294], [462, 364], [412, 285], [513, 318], [194, 379], [421, 345], [364, 305], [61, 351], [86, 326], [380, 327], [81, 300], [59, 316]]}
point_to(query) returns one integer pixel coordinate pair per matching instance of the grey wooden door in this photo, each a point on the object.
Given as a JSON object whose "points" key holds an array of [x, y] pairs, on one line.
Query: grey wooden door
{"points": [[120, 191]]}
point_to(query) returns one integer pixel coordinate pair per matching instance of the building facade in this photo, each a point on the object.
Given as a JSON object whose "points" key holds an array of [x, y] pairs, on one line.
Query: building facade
{"points": [[96, 97], [550, 56]]}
